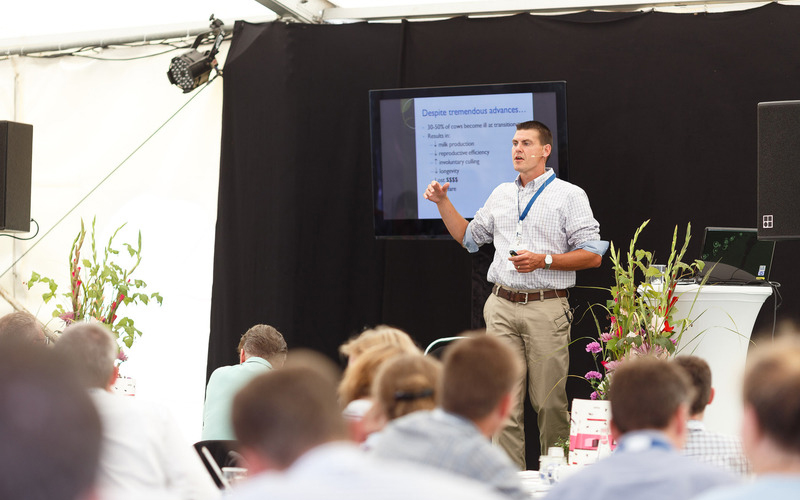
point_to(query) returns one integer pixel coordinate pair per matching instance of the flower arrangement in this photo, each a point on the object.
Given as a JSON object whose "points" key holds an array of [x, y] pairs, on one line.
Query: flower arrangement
{"points": [[640, 310], [99, 288]]}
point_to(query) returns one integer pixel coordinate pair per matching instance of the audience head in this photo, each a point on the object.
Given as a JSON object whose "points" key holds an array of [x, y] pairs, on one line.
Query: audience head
{"points": [[479, 374], [49, 429], [21, 327], [380, 335], [284, 413], [359, 375], [700, 374], [264, 341], [406, 384], [771, 423], [650, 394], [92, 350]]}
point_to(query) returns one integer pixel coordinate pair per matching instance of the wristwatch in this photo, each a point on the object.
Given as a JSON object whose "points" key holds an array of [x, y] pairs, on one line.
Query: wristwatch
{"points": [[548, 261]]}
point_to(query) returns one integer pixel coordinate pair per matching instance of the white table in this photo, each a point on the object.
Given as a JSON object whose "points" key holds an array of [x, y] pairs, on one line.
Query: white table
{"points": [[720, 334]]}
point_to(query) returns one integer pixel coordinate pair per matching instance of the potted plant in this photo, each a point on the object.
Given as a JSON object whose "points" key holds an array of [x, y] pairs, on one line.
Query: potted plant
{"points": [[100, 286], [641, 308]]}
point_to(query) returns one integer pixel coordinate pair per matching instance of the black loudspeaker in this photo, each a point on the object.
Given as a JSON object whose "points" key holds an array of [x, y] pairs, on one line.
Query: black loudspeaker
{"points": [[16, 150], [779, 170]]}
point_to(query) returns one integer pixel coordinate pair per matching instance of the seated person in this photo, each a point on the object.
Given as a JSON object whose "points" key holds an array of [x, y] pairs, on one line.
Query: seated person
{"points": [[356, 385], [771, 423], [701, 444], [261, 349], [649, 409], [478, 381], [49, 428], [302, 451], [403, 385], [142, 454]]}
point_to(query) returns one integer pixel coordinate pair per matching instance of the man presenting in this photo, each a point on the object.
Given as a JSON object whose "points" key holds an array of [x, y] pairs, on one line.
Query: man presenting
{"points": [[543, 231]]}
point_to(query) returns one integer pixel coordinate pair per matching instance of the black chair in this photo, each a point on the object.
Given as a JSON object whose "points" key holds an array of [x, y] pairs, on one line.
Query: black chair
{"points": [[225, 454], [437, 347]]}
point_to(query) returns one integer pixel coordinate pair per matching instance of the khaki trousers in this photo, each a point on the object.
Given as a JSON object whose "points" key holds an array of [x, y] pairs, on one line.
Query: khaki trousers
{"points": [[539, 332]]}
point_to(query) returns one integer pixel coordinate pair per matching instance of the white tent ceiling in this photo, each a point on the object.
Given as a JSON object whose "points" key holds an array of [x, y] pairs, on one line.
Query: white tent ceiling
{"points": [[46, 23]]}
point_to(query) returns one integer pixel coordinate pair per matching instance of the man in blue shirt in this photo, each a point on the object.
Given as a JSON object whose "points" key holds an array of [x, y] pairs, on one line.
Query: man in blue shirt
{"points": [[649, 409], [261, 349]]}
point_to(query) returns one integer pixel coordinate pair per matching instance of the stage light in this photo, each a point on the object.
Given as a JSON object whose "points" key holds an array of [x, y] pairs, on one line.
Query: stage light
{"points": [[192, 69]]}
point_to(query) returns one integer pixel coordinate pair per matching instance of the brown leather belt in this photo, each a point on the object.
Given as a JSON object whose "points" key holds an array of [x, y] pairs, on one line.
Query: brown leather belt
{"points": [[526, 297]]}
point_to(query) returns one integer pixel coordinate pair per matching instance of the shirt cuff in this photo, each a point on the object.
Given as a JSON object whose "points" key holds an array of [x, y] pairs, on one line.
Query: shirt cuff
{"points": [[469, 242], [598, 247]]}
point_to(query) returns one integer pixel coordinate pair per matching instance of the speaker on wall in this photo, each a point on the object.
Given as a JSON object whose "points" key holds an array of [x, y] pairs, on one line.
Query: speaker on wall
{"points": [[16, 150], [779, 170]]}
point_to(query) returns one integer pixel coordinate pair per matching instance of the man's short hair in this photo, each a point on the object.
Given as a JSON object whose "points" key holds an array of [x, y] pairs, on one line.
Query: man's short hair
{"points": [[646, 393], [20, 326], [264, 341], [545, 136], [772, 389], [283, 413], [92, 349], [49, 428], [478, 371], [700, 374]]}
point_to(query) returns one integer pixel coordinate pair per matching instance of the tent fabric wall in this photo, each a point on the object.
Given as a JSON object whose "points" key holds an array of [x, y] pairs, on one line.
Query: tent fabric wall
{"points": [[88, 116]]}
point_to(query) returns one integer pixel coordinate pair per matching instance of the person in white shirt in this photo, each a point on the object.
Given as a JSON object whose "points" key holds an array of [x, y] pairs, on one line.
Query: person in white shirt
{"points": [[143, 454]]}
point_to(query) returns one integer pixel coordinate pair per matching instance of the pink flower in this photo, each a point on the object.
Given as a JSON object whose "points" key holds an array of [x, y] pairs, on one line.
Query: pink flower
{"points": [[605, 336], [593, 396], [594, 347], [593, 375], [610, 366], [68, 318]]}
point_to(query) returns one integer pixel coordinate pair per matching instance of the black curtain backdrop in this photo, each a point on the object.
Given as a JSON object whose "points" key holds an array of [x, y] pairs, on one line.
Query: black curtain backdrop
{"points": [[662, 126]]}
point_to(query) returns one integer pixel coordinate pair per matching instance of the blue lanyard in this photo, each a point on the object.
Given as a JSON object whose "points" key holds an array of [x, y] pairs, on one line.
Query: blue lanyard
{"points": [[535, 195]]}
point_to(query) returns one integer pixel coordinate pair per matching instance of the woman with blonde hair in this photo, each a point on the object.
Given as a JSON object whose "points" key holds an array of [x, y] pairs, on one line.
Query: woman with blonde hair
{"points": [[380, 335]]}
